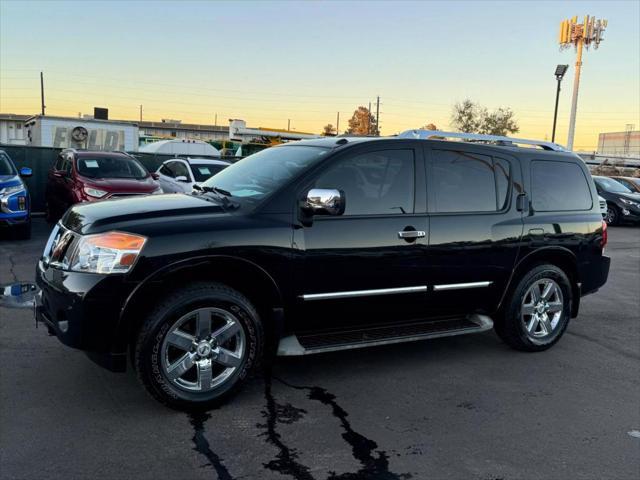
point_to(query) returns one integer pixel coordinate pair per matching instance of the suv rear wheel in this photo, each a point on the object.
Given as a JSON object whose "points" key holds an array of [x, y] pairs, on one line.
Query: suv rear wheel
{"points": [[198, 346], [538, 312]]}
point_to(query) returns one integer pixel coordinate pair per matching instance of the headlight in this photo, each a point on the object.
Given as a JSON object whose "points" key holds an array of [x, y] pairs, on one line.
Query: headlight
{"points": [[94, 192], [629, 202], [11, 190], [110, 252], [157, 191]]}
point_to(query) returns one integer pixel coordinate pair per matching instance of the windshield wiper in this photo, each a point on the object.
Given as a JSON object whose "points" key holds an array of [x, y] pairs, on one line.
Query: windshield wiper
{"points": [[222, 194]]}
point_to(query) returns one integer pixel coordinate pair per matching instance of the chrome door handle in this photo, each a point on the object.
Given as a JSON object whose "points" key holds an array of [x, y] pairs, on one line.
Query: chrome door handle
{"points": [[412, 234]]}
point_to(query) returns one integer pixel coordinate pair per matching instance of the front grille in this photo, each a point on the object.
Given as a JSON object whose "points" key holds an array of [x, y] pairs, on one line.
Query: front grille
{"points": [[58, 247]]}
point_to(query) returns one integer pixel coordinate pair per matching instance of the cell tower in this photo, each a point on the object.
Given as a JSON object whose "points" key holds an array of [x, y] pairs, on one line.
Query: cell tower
{"points": [[579, 35]]}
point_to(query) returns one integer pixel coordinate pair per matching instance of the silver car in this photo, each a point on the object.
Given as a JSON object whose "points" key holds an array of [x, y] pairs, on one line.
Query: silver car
{"points": [[179, 175]]}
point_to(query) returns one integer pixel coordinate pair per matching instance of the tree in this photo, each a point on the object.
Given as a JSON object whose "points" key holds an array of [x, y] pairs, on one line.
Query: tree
{"points": [[430, 126], [362, 123], [499, 122], [470, 117], [328, 130]]}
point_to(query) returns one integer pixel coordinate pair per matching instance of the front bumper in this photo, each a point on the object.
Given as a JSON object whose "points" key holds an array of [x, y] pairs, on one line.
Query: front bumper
{"points": [[83, 310], [14, 219]]}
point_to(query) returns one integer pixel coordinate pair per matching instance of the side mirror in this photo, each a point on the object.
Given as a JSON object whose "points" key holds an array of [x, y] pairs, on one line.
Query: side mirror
{"points": [[325, 201], [155, 176], [182, 178], [26, 172]]}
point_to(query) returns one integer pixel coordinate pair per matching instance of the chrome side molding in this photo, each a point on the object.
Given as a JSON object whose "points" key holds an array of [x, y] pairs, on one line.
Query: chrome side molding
{"points": [[460, 286], [363, 293]]}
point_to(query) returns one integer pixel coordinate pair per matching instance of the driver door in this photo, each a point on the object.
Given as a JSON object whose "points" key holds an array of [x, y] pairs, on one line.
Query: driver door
{"points": [[356, 270]]}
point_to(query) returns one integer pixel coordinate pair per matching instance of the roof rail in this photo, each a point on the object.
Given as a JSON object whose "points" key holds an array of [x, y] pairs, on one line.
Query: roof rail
{"points": [[477, 137]]}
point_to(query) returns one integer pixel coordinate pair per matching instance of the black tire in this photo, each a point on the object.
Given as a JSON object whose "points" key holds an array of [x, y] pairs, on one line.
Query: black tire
{"points": [[23, 231], [148, 356], [510, 323], [613, 215]]}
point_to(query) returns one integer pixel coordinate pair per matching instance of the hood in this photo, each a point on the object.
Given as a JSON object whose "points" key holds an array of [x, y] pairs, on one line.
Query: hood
{"points": [[9, 181], [129, 212], [631, 196], [122, 185]]}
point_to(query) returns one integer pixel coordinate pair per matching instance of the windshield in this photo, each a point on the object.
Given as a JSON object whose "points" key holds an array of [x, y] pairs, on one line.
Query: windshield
{"points": [[610, 185], [6, 167], [204, 171], [262, 173], [110, 167]]}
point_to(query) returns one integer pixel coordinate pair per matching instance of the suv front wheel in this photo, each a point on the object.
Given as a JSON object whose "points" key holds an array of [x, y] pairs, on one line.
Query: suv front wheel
{"points": [[197, 347], [538, 311]]}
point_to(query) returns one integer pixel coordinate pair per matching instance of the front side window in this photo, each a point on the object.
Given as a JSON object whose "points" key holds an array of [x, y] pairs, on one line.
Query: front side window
{"points": [[558, 186], [261, 174], [110, 167], [6, 166], [180, 170], [374, 183], [468, 182]]}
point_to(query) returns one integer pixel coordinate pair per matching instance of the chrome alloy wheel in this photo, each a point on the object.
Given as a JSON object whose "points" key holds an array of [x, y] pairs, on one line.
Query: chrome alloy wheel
{"points": [[203, 349], [542, 308]]}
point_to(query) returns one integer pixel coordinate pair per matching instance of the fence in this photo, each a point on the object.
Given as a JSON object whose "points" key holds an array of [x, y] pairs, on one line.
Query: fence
{"points": [[40, 160]]}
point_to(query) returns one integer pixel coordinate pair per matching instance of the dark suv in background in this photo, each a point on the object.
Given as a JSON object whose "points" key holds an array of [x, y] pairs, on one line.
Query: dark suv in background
{"points": [[325, 245], [86, 176], [623, 204]]}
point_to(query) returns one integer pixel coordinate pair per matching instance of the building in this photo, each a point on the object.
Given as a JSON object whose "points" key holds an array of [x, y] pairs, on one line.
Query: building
{"points": [[92, 134], [174, 129], [624, 144], [12, 130], [239, 132]]}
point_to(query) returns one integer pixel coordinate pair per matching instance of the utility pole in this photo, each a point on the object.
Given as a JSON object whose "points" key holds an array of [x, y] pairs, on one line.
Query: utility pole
{"points": [[288, 125], [579, 35], [338, 124], [215, 122], [140, 113], [369, 121], [42, 92], [378, 115]]}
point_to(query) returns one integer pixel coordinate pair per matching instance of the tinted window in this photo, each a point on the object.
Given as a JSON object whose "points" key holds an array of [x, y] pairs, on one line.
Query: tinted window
{"points": [[559, 186], [59, 163], [204, 171], [6, 166], [166, 170], [468, 182], [110, 167], [374, 183], [179, 169]]}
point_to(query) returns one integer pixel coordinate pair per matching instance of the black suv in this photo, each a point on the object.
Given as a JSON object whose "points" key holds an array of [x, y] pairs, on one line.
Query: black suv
{"points": [[324, 245]]}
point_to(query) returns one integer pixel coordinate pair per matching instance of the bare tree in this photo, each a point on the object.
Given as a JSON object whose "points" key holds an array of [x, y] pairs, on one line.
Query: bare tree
{"points": [[362, 122], [430, 126]]}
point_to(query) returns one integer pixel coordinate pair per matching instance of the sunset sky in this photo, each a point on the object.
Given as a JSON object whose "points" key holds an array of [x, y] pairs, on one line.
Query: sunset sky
{"points": [[268, 62]]}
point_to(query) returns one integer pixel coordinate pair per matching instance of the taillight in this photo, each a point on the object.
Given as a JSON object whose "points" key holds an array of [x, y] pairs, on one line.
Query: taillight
{"points": [[605, 235]]}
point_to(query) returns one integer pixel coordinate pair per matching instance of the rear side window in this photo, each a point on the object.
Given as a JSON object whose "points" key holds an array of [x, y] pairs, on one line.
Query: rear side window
{"points": [[559, 186], [468, 182]]}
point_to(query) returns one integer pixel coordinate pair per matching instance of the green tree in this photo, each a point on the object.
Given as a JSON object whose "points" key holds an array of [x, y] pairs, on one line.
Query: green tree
{"points": [[471, 117], [328, 130]]}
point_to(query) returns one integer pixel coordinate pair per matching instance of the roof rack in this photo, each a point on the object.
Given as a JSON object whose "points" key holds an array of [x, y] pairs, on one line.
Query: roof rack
{"points": [[477, 137]]}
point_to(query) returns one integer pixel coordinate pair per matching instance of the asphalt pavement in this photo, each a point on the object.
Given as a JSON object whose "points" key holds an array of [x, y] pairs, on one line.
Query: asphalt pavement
{"points": [[454, 408]]}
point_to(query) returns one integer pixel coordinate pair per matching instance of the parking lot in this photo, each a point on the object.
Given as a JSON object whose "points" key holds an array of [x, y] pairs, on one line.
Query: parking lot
{"points": [[461, 407]]}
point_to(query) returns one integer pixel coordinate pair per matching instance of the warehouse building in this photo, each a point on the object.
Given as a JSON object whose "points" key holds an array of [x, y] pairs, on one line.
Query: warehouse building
{"points": [[624, 144]]}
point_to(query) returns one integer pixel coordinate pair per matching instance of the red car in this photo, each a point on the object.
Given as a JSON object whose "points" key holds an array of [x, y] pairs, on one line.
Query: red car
{"points": [[85, 176]]}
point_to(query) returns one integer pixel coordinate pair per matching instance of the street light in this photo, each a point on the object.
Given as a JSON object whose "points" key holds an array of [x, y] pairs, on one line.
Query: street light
{"points": [[560, 71]]}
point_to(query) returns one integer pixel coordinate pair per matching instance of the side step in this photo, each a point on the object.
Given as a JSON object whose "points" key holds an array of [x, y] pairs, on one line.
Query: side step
{"points": [[410, 332]]}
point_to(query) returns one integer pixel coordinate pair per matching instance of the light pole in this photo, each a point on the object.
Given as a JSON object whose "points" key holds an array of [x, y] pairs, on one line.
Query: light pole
{"points": [[560, 71]]}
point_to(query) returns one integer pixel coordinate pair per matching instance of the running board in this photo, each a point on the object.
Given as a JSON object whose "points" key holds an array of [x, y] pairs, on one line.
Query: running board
{"points": [[308, 344]]}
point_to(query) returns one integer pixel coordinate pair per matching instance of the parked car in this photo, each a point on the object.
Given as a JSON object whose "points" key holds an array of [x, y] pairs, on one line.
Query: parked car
{"points": [[622, 204], [632, 183], [291, 252], [15, 204], [79, 176], [179, 175]]}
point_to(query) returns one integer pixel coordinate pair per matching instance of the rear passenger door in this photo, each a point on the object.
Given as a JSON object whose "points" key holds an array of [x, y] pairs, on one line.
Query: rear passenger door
{"points": [[475, 228]]}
